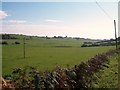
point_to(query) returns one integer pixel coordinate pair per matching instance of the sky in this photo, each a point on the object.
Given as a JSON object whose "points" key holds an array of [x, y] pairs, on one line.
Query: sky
{"points": [[119, 19], [72, 19]]}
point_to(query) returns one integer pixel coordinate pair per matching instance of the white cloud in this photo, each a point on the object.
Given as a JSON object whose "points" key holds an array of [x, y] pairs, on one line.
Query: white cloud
{"points": [[16, 21], [91, 29], [53, 21], [3, 14]]}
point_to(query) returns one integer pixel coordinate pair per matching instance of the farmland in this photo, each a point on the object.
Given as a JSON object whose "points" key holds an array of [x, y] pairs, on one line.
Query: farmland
{"points": [[108, 77], [46, 54]]}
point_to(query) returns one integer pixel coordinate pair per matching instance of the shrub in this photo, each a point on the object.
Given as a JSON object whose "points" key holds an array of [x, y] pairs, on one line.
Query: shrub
{"points": [[84, 45], [4, 42], [17, 42]]}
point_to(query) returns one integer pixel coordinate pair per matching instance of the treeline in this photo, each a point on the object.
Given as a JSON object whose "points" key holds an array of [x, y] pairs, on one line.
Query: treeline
{"points": [[80, 76], [6, 43], [8, 36], [110, 42]]}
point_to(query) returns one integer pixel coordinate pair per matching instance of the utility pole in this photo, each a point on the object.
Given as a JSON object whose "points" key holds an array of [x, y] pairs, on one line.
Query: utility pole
{"points": [[24, 47], [115, 33]]}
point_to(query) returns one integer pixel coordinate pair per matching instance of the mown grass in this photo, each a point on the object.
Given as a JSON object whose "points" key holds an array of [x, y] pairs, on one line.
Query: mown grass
{"points": [[43, 54]]}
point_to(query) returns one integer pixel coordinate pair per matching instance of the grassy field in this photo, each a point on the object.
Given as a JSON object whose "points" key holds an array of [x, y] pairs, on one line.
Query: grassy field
{"points": [[45, 54], [108, 77]]}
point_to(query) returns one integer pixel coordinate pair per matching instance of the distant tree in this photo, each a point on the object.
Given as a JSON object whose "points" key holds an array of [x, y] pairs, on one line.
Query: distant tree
{"points": [[60, 37], [55, 37], [8, 36], [112, 39], [88, 42], [30, 37], [47, 37], [84, 45], [17, 42], [77, 38], [5, 42]]}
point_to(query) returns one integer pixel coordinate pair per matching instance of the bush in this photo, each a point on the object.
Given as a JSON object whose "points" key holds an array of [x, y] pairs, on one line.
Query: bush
{"points": [[8, 36], [84, 45], [17, 42], [4, 43]]}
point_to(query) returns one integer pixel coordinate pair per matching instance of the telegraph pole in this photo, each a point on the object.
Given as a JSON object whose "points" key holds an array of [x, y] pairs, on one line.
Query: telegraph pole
{"points": [[115, 33], [24, 47]]}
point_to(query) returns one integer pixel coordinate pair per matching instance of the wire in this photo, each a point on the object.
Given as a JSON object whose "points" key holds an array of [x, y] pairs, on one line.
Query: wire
{"points": [[104, 11]]}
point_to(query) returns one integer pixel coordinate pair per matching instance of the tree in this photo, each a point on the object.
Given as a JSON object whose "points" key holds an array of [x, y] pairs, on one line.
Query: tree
{"points": [[17, 42]]}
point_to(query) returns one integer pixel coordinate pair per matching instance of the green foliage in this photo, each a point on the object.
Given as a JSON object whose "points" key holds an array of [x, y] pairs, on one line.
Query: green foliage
{"points": [[110, 42], [4, 43], [17, 42], [8, 36]]}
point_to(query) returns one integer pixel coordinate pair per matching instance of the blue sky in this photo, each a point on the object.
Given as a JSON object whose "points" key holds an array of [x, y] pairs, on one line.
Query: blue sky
{"points": [[59, 0], [74, 19]]}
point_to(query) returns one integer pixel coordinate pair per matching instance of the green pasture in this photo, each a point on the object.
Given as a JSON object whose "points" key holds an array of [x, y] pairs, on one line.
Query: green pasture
{"points": [[108, 77], [46, 54]]}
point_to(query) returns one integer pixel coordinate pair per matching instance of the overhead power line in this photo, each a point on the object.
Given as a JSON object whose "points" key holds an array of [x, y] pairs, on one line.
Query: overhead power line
{"points": [[104, 11], [110, 19]]}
